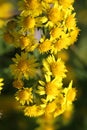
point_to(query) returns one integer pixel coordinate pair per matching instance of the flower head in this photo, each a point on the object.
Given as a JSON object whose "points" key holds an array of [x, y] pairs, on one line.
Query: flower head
{"points": [[33, 111], [51, 89], [45, 46], [29, 22], [24, 66], [29, 43], [24, 96], [30, 7], [54, 67]]}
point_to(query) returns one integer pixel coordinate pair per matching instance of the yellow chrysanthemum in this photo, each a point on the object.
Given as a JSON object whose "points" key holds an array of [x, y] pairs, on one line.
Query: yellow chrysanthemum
{"points": [[61, 104], [71, 21], [51, 89], [33, 111], [54, 67], [62, 43], [1, 83], [29, 22], [24, 96], [60, 110], [30, 7], [28, 43], [56, 32], [44, 46], [74, 34], [50, 108], [54, 15], [32, 4], [24, 66]]}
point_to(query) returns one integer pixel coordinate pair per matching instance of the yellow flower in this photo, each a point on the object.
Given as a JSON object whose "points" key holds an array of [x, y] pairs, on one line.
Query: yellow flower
{"points": [[28, 43], [60, 110], [1, 83], [24, 66], [33, 111], [54, 15], [56, 32], [71, 21], [18, 84], [74, 34], [61, 104], [32, 4], [44, 46], [54, 67], [24, 96], [30, 7], [62, 43], [50, 108], [51, 89], [29, 22]]}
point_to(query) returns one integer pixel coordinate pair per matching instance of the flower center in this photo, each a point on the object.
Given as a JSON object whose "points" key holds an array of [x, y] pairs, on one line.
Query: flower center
{"points": [[22, 66]]}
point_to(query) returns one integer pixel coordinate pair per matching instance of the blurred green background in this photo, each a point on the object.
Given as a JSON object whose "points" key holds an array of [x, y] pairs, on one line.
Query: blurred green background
{"points": [[11, 118]]}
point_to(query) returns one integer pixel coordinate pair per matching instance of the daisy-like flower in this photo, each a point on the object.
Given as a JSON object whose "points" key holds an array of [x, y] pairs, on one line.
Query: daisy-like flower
{"points": [[24, 66], [29, 43], [62, 43], [33, 111], [29, 22], [44, 46], [54, 67], [50, 108], [30, 7], [51, 89], [55, 15], [71, 22], [24, 96], [1, 83], [74, 34], [56, 33]]}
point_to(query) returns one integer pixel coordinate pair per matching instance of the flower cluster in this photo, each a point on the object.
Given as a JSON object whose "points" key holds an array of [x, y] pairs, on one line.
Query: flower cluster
{"points": [[38, 70]]}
